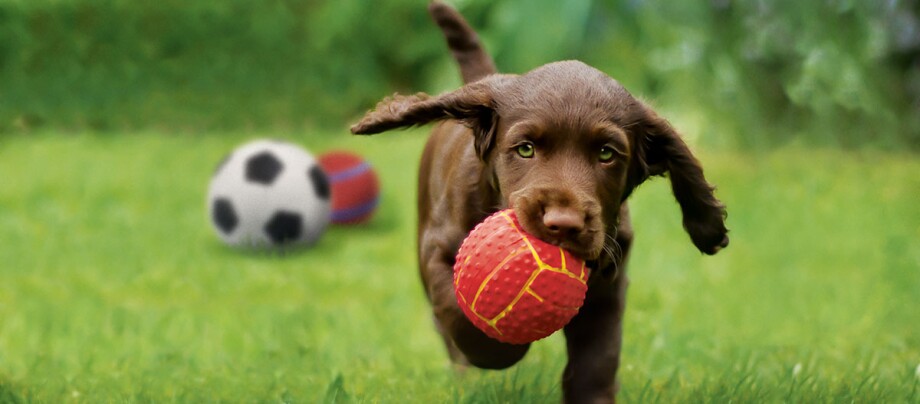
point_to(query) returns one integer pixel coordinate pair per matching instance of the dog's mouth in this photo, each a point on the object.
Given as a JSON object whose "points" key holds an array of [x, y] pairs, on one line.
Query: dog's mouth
{"points": [[576, 228], [577, 248]]}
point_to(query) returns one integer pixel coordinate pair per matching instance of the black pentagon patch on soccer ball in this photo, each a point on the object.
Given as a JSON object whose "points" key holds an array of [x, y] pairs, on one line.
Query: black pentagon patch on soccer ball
{"points": [[263, 168], [283, 227], [320, 182], [224, 216]]}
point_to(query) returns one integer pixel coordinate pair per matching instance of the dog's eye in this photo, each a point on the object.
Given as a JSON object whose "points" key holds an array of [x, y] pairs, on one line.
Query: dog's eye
{"points": [[606, 155], [525, 150]]}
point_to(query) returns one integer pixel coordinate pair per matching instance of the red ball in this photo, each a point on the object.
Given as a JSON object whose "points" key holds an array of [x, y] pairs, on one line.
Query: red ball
{"points": [[354, 187], [513, 286]]}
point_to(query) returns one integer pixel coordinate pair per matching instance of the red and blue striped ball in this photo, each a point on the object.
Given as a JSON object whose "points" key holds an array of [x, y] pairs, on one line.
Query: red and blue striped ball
{"points": [[354, 186]]}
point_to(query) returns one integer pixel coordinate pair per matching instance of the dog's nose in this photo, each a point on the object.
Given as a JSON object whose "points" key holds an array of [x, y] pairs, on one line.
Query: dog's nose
{"points": [[562, 221]]}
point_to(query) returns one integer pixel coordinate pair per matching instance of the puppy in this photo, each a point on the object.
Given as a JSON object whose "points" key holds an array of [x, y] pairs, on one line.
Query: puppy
{"points": [[564, 145]]}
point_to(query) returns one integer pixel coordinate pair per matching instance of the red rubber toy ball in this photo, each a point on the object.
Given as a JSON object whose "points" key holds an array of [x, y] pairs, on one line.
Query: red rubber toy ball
{"points": [[353, 184], [514, 287]]}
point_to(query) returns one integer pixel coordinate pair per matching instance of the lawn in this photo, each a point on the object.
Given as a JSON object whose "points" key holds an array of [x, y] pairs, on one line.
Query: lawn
{"points": [[113, 286]]}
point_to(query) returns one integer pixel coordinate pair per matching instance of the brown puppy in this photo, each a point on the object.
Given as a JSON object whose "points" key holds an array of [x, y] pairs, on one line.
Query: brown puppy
{"points": [[564, 145]]}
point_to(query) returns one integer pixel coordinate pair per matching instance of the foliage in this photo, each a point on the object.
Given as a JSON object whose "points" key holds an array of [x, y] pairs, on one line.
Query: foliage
{"points": [[737, 73], [843, 73], [178, 65], [115, 289]]}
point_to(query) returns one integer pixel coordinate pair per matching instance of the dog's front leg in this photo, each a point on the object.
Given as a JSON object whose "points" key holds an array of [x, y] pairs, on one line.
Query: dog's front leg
{"points": [[466, 344], [593, 339]]}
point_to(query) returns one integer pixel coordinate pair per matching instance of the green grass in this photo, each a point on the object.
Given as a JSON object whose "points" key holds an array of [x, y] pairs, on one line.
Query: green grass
{"points": [[114, 288]]}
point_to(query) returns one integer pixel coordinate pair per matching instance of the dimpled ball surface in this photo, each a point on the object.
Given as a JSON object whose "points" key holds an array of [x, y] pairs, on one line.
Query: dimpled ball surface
{"points": [[354, 184], [514, 287]]}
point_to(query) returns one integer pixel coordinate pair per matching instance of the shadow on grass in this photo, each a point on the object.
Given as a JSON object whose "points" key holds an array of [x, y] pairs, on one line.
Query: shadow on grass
{"points": [[254, 253], [331, 241]]}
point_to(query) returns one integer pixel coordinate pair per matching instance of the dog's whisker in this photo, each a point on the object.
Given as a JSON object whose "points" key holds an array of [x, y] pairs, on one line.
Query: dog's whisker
{"points": [[613, 250]]}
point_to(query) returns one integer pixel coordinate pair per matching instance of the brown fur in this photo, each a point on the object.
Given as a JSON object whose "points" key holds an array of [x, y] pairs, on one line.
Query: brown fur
{"points": [[563, 194]]}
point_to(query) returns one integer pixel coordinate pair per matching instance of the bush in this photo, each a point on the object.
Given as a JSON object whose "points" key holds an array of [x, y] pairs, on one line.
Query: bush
{"points": [[742, 73], [120, 64]]}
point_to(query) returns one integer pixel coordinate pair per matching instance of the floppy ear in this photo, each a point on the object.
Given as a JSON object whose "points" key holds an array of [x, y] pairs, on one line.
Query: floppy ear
{"points": [[473, 105], [661, 150]]}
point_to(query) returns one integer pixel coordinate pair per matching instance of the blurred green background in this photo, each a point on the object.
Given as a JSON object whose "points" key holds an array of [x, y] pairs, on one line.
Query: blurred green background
{"points": [[113, 114], [740, 73]]}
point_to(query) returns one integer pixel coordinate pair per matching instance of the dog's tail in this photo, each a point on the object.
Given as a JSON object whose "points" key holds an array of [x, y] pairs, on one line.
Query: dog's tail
{"points": [[463, 42]]}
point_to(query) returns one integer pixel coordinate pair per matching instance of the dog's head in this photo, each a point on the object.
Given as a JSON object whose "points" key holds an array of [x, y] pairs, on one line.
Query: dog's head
{"points": [[567, 145]]}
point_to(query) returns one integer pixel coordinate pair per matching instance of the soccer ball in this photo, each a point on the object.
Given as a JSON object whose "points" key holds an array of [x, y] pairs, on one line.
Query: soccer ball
{"points": [[269, 194]]}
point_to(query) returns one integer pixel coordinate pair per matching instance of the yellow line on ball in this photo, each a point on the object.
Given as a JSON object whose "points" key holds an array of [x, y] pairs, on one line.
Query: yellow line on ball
{"points": [[534, 294], [492, 273], [460, 272]]}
